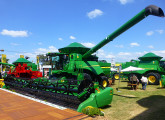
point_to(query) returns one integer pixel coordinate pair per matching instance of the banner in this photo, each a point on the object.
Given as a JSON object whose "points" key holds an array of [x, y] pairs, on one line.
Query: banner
{"points": [[21, 56], [3, 58], [37, 59]]}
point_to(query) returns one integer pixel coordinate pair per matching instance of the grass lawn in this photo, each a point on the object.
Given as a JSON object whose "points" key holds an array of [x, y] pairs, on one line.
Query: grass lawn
{"points": [[129, 104]]}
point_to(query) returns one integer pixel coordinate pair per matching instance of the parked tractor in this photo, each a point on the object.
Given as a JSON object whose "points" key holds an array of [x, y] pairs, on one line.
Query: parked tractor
{"points": [[76, 72], [153, 67]]}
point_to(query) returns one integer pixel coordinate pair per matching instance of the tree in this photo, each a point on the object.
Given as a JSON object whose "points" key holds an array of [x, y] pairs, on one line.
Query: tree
{"points": [[43, 59]]}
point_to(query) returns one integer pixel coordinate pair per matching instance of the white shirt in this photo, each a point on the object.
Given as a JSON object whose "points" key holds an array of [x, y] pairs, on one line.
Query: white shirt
{"points": [[144, 79]]}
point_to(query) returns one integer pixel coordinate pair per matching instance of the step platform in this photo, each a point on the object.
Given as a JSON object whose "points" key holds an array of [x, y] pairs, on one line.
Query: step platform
{"points": [[15, 106]]}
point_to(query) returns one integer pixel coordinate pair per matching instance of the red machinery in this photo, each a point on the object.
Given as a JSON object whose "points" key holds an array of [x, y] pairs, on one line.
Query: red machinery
{"points": [[24, 71]]}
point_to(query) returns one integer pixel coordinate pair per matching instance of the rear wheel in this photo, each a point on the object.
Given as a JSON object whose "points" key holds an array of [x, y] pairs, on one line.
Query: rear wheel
{"points": [[104, 81], [153, 78], [158, 75], [116, 76]]}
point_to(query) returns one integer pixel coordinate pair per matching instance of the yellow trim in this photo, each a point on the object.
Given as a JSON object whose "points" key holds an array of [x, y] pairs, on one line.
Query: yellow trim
{"points": [[117, 64], [105, 67], [89, 107], [92, 66], [160, 83]]}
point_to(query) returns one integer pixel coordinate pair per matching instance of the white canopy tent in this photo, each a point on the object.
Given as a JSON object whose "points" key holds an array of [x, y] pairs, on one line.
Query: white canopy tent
{"points": [[131, 68]]}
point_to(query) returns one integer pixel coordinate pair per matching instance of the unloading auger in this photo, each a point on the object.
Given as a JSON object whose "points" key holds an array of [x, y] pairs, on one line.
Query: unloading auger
{"points": [[76, 73]]}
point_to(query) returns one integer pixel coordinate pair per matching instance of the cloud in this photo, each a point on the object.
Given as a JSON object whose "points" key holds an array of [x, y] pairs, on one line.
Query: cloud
{"points": [[119, 46], [150, 46], [40, 43], [32, 54], [14, 44], [13, 33], [139, 53], [160, 53], [160, 31], [89, 45], [36, 52], [72, 37], [60, 39], [134, 44], [101, 53], [124, 53], [149, 33], [110, 56], [46, 50], [94, 13], [123, 2], [127, 56]]}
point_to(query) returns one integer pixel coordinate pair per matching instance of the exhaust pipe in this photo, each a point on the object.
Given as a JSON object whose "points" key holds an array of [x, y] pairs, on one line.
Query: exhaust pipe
{"points": [[154, 10]]}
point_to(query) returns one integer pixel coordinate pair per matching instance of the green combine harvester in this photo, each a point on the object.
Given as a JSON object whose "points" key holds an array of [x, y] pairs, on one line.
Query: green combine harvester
{"points": [[153, 67], [77, 74]]}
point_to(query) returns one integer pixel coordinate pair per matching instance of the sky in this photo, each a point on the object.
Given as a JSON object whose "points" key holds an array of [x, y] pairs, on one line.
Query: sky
{"points": [[32, 27]]}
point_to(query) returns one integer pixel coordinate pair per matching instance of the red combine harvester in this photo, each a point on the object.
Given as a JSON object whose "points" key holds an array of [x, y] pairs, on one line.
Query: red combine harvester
{"points": [[24, 71]]}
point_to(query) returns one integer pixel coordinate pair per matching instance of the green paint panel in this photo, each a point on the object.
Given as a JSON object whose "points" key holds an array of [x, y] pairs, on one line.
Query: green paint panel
{"points": [[150, 56], [7, 64], [74, 48], [21, 60], [100, 98], [163, 80]]}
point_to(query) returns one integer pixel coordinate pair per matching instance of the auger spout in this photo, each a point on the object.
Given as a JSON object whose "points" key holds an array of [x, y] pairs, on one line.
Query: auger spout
{"points": [[150, 10]]}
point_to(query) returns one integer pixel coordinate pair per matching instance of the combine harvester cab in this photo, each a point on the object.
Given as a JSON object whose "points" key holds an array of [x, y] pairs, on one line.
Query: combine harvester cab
{"points": [[77, 74]]}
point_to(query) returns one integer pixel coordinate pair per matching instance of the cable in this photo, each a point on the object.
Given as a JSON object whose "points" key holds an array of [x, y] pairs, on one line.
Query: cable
{"points": [[15, 51]]}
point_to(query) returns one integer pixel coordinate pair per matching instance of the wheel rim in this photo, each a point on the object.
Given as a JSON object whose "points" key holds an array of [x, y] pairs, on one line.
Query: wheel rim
{"points": [[104, 83], [152, 79], [116, 76]]}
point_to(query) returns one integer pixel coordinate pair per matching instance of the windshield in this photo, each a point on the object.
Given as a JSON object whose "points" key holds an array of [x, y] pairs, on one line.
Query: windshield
{"points": [[162, 64], [59, 61]]}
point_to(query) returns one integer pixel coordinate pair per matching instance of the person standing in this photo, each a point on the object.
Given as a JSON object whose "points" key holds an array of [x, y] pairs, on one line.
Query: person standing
{"points": [[144, 81], [135, 82]]}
